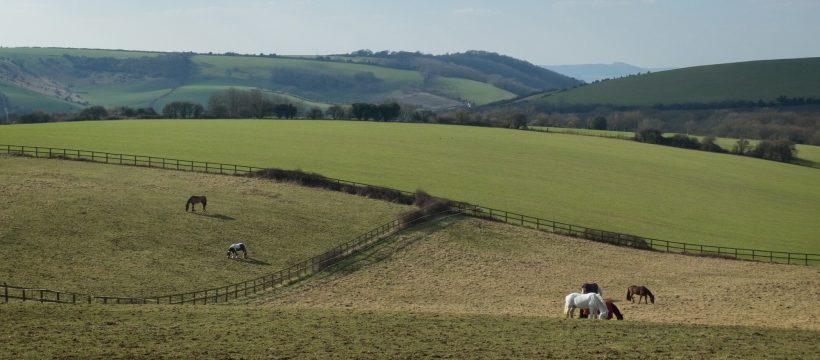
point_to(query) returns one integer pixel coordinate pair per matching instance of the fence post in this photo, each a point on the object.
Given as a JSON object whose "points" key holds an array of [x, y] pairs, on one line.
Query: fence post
{"points": [[789, 258], [5, 292]]}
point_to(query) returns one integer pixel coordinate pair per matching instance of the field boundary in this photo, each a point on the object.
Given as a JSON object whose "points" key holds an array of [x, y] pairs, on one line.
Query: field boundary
{"points": [[282, 278], [579, 231]]}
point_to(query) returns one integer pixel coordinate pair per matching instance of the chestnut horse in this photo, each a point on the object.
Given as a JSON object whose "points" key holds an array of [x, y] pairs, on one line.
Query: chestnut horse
{"points": [[193, 200], [642, 293], [610, 305]]}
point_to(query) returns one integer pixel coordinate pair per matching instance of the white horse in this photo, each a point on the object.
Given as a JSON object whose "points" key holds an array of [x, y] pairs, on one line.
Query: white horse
{"points": [[591, 301]]}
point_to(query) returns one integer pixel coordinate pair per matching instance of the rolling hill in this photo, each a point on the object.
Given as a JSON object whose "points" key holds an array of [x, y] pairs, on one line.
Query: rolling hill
{"points": [[56, 79], [744, 81], [594, 72], [629, 187]]}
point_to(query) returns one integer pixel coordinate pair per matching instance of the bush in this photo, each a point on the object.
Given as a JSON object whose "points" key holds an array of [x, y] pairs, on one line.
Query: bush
{"points": [[650, 136], [426, 205], [777, 150], [683, 141], [319, 181], [709, 144]]}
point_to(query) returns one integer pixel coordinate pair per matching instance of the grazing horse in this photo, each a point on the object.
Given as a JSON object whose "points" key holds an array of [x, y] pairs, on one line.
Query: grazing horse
{"points": [[232, 250], [610, 306], [193, 200], [591, 288], [642, 293], [591, 301]]}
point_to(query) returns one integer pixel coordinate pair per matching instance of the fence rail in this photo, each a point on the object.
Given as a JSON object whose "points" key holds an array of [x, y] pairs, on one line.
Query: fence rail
{"points": [[292, 274], [782, 257], [306, 268], [156, 162]]}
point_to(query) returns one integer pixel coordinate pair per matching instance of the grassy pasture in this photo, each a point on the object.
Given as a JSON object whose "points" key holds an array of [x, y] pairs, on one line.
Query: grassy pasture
{"points": [[470, 266], [624, 186], [107, 89], [97, 332], [752, 81], [810, 155], [123, 231]]}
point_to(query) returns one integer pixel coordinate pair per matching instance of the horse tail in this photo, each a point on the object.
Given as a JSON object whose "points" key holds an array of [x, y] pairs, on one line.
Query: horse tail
{"points": [[617, 312]]}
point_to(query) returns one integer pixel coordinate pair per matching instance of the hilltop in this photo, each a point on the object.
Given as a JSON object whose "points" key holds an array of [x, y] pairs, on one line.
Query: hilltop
{"points": [[751, 81], [56, 79], [597, 72]]}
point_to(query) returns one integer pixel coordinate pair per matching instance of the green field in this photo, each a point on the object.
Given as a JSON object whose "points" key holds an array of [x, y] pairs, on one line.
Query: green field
{"points": [[214, 72], [807, 155], [97, 332], [123, 231], [623, 186], [752, 81]]}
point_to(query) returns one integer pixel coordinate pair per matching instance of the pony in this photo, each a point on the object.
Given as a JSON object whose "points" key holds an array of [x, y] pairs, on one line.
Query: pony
{"points": [[193, 200], [610, 306], [590, 301], [232, 251], [591, 288], [642, 293]]}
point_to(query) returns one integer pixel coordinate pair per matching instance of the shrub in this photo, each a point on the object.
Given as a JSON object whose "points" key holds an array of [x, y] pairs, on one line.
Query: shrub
{"points": [[649, 135], [777, 150]]}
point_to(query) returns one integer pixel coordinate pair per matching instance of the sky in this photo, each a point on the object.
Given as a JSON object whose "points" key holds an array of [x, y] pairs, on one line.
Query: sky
{"points": [[647, 33]]}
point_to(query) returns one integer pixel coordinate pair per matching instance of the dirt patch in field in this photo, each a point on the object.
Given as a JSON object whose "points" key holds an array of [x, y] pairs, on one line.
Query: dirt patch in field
{"points": [[475, 267]]}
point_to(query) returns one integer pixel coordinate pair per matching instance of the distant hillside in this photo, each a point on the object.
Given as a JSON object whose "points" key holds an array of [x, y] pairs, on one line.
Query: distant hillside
{"points": [[514, 75], [55, 79], [594, 72], [744, 81]]}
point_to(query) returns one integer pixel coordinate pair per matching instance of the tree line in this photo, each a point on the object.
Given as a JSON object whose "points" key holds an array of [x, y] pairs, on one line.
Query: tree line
{"points": [[777, 150]]}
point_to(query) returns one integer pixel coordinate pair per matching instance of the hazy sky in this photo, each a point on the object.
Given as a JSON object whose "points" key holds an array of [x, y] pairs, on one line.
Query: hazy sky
{"points": [[650, 33]]}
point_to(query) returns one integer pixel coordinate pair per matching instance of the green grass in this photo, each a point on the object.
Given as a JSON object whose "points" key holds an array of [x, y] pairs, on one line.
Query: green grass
{"points": [[623, 186], [752, 81], [807, 155], [474, 91], [123, 231], [36, 331], [221, 72], [22, 98]]}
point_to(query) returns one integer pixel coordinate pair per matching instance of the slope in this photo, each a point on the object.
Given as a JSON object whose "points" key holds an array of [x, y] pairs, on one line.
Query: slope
{"points": [[471, 266], [748, 81], [83, 77], [124, 231], [623, 186]]}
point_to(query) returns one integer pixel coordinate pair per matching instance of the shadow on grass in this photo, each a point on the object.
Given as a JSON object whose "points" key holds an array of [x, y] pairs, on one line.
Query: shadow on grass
{"points": [[215, 216], [253, 261], [380, 251]]}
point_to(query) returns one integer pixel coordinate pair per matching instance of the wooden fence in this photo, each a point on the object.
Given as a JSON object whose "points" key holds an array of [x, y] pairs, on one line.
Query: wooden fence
{"points": [[635, 241], [157, 162], [292, 274], [306, 268]]}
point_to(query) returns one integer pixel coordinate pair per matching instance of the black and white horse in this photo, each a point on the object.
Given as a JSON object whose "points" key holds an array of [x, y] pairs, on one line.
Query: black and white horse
{"points": [[234, 248]]}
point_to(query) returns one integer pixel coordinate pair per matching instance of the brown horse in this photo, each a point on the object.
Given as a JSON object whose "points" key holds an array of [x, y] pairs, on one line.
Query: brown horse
{"points": [[642, 293], [193, 200], [610, 305]]}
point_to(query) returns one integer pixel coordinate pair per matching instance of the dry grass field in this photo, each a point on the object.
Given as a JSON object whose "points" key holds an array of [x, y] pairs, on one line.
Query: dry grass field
{"points": [[469, 266]]}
